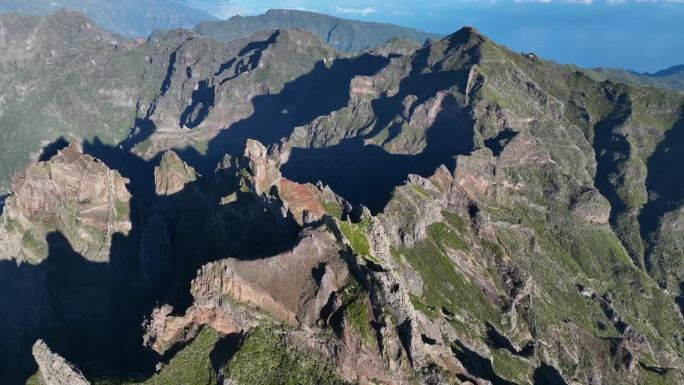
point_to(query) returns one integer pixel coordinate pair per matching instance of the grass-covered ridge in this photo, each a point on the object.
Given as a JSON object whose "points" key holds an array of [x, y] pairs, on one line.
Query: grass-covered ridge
{"points": [[356, 234], [192, 365], [265, 358], [444, 285], [357, 312]]}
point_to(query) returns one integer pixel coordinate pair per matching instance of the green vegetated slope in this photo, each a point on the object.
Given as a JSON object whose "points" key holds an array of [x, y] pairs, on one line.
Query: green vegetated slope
{"points": [[62, 76], [262, 358], [671, 78], [538, 217]]}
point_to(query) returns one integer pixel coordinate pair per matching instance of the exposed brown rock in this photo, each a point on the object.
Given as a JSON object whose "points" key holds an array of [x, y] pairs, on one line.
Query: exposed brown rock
{"points": [[72, 193], [162, 331], [592, 207], [298, 199], [54, 369], [172, 174], [283, 285]]}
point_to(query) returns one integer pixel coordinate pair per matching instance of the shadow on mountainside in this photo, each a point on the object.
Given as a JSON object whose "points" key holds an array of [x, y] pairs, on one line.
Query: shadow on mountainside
{"points": [[317, 93], [664, 180], [91, 313], [613, 154], [362, 174], [2, 203], [51, 149], [367, 174]]}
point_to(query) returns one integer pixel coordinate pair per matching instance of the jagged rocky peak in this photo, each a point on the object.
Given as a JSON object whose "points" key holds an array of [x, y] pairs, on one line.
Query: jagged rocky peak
{"points": [[312, 289], [172, 174], [306, 202], [264, 165], [465, 35], [508, 264], [54, 369], [282, 286], [72, 193]]}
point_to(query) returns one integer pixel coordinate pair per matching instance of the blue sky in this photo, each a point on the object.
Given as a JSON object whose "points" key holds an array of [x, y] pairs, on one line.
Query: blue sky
{"points": [[643, 35]]}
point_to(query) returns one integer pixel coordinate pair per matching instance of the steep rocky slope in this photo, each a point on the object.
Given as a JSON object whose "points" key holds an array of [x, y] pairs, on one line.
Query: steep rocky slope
{"points": [[60, 76], [73, 194], [55, 370], [456, 213]]}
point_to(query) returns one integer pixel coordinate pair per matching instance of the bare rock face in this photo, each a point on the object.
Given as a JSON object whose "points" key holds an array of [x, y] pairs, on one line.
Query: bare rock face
{"points": [[162, 330], [417, 205], [283, 285], [54, 369], [264, 166], [172, 174], [297, 288], [72, 193], [592, 207]]}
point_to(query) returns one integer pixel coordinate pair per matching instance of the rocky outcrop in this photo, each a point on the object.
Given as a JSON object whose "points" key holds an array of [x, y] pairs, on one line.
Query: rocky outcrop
{"points": [[172, 174], [303, 201], [72, 193], [163, 330], [592, 207], [303, 288], [54, 369], [287, 285], [292, 287], [467, 271]]}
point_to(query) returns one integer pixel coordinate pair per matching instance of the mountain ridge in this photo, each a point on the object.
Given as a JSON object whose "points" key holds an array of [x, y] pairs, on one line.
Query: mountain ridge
{"points": [[458, 213], [670, 78]]}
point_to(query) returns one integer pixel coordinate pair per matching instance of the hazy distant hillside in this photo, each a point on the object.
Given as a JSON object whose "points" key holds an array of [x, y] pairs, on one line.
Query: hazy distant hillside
{"points": [[343, 34], [127, 17], [671, 78]]}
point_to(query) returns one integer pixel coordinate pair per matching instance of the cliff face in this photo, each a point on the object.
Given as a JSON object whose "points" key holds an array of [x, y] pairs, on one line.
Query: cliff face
{"points": [[54, 369], [72, 193]]}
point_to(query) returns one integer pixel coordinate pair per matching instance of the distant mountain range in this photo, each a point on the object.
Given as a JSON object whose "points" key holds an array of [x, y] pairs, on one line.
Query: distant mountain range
{"points": [[142, 17], [671, 78], [342, 34], [272, 210], [126, 17]]}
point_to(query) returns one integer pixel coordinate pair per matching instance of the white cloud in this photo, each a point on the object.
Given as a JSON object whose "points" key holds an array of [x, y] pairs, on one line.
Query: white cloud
{"points": [[356, 11]]}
